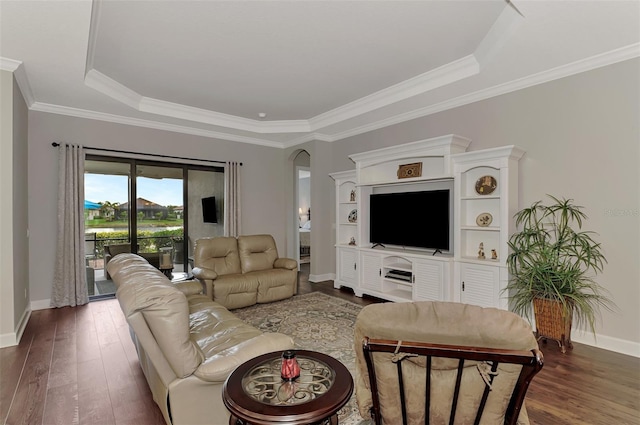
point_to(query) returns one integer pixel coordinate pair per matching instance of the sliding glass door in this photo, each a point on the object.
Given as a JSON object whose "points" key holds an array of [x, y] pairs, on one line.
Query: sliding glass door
{"points": [[154, 209]]}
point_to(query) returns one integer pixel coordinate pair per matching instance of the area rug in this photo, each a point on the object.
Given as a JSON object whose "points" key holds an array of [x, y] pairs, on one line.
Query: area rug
{"points": [[318, 322]]}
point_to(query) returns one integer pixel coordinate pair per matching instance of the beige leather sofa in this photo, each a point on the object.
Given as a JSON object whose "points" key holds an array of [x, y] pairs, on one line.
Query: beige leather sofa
{"points": [[244, 271], [186, 343], [439, 323]]}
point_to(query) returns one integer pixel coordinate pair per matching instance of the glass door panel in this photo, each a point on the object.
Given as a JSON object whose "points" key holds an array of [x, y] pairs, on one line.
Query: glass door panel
{"points": [[160, 218], [106, 220]]}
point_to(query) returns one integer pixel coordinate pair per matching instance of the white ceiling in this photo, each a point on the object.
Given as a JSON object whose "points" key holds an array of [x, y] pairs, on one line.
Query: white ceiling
{"points": [[318, 69]]}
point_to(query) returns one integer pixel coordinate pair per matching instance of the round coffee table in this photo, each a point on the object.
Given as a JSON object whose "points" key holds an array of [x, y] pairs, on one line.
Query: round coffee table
{"points": [[255, 394]]}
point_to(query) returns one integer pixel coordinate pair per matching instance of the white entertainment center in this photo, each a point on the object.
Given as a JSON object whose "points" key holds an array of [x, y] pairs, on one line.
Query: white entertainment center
{"points": [[484, 197]]}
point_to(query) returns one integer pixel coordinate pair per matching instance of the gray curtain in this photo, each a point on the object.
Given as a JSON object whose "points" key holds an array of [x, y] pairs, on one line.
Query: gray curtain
{"points": [[232, 207], [70, 279]]}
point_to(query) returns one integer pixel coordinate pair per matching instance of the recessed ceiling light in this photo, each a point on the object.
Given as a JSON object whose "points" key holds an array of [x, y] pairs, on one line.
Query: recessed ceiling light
{"points": [[262, 115]]}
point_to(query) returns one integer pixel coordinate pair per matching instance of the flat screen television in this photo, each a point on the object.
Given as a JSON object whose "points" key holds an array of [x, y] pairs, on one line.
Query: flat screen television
{"points": [[411, 219], [209, 210]]}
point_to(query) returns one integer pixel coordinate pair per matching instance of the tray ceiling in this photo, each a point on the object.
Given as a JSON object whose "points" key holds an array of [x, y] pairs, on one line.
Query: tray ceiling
{"points": [[318, 69]]}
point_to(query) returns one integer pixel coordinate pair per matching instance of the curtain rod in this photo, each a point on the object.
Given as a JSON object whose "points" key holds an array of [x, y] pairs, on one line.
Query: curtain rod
{"points": [[56, 144]]}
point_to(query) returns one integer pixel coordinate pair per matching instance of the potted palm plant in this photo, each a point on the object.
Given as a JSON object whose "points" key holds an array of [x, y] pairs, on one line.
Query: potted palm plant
{"points": [[552, 264]]}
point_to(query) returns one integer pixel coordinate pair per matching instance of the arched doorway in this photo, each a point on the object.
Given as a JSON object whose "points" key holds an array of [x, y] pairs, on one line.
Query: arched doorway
{"points": [[302, 207]]}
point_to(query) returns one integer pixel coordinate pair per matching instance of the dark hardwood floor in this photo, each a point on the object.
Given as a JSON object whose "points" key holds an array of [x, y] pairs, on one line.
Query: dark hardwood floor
{"points": [[79, 366]]}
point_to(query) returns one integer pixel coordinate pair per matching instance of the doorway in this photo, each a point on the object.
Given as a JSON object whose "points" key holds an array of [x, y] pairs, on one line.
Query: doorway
{"points": [[302, 196]]}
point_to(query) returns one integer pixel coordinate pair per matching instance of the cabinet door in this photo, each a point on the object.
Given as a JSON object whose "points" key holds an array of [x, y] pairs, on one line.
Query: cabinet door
{"points": [[480, 285], [348, 267], [429, 279], [370, 271]]}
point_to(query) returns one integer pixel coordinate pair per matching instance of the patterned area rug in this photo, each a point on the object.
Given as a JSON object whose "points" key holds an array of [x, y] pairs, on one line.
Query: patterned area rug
{"points": [[318, 322]]}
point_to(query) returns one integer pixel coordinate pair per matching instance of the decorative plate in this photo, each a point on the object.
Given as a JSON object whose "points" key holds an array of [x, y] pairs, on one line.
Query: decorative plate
{"points": [[484, 219], [485, 185], [353, 216]]}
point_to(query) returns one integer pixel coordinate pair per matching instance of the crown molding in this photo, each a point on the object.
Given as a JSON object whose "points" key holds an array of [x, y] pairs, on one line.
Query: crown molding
{"points": [[10, 65], [438, 77], [112, 88], [176, 110], [117, 91], [102, 82], [507, 23], [608, 58], [118, 119], [310, 137], [93, 34], [17, 68], [499, 34]]}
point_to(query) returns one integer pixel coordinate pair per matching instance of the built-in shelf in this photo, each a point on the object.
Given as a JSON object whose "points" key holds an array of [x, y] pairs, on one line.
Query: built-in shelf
{"points": [[458, 275], [481, 229]]}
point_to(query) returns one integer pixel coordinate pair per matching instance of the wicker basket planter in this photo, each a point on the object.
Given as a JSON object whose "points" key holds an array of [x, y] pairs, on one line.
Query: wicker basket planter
{"points": [[551, 322], [553, 259]]}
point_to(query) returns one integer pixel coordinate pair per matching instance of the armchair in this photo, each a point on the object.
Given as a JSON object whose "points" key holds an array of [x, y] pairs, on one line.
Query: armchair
{"points": [[454, 362]]}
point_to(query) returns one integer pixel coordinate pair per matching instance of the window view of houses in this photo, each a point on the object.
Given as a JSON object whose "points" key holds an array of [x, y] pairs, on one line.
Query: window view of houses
{"points": [[159, 224]]}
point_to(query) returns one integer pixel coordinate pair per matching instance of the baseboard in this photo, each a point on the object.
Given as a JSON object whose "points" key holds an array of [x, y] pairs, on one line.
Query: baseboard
{"points": [[609, 343], [40, 305], [321, 277], [13, 338], [618, 345]]}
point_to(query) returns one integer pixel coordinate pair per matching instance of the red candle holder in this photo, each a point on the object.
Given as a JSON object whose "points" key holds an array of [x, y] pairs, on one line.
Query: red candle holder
{"points": [[290, 368]]}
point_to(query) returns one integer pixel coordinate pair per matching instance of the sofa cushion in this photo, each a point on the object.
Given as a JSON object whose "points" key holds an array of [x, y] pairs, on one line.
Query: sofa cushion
{"points": [[225, 340], [236, 290], [274, 284], [219, 254], [142, 288], [257, 252]]}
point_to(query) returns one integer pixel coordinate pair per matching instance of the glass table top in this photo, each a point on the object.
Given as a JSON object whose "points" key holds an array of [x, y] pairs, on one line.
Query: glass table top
{"points": [[264, 384]]}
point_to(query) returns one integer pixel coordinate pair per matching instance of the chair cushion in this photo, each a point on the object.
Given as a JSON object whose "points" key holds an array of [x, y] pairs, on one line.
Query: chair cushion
{"points": [[257, 252], [438, 323], [219, 254]]}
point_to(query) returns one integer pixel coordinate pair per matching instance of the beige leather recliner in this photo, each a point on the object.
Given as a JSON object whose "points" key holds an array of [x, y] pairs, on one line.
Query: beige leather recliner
{"points": [[244, 271], [446, 323], [187, 344]]}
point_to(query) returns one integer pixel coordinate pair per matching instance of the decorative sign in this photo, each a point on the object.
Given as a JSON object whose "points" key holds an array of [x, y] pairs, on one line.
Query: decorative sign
{"points": [[407, 171]]}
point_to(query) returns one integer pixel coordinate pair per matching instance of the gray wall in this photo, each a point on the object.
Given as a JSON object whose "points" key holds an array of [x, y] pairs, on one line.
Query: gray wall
{"points": [[582, 141], [14, 259], [322, 200], [262, 176], [203, 184]]}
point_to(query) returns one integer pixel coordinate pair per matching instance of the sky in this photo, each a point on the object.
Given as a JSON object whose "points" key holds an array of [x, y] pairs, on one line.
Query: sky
{"points": [[101, 188]]}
